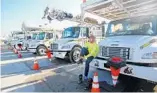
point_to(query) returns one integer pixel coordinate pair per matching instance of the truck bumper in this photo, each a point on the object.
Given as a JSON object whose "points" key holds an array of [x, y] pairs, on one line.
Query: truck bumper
{"points": [[59, 54], [142, 72], [33, 50]]}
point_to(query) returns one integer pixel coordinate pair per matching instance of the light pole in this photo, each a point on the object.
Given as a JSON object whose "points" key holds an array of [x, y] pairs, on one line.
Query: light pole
{"points": [[82, 13]]}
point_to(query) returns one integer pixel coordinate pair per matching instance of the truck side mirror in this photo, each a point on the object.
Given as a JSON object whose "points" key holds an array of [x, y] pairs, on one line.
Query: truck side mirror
{"points": [[103, 28], [103, 31], [87, 32], [29, 37]]}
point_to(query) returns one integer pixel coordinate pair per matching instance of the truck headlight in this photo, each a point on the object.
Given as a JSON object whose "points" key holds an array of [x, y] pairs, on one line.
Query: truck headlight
{"points": [[66, 47], [150, 55]]}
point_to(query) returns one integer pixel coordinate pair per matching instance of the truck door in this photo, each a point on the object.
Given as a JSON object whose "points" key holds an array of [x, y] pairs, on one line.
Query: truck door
{"points": [[84, 31], [51, 36], [49, 39]]}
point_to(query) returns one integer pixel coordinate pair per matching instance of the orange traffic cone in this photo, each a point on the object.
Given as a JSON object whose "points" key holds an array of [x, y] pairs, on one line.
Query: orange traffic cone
{"points": [[36, 65], [19, 55], [48, 53], [95, 85], [115, 74]]}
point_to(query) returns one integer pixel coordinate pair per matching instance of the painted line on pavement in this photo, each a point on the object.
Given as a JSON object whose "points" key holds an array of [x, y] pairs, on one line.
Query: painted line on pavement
{"points": [[52, 69], [20, 60], [44, 73], [13, 55], [13, 52], [74, 68], [22, 85], [36, 77]]}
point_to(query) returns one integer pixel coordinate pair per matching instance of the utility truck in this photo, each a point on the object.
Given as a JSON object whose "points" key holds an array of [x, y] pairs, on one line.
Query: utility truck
{"points": [[71, 42], [17, 39], [135, 41], [40, 37], [42, 41], [29, 37], [131, 36], [73, 38]]}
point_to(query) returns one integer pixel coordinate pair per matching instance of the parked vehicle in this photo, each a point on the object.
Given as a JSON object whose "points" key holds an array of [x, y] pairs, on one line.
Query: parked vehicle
{"points": [[133, 40], [16, 39], [71, 42], [41, 41]]}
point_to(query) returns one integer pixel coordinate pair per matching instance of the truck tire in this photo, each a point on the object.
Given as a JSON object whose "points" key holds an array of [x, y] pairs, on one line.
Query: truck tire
{"points": [[74, 55], [41, 50]]}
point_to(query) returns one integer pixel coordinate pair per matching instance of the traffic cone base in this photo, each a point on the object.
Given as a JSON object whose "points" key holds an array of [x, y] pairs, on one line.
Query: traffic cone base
{"points": [[95, 85], [36, 65], [48, 54], [95, 90]]}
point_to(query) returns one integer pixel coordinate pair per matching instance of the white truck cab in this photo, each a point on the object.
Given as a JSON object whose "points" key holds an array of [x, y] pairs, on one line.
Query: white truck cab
{"points": [[17, 38], [73, 38], [41, 41], [134, 40]]}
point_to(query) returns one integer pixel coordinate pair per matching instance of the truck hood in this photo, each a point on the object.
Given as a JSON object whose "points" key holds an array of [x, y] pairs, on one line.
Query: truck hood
{"points": [[64, 40], [125, 41], [35, 41]]}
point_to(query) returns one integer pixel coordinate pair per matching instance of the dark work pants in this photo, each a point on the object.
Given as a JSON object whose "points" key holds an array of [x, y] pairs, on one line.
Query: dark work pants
{"points": [[84, 52]]}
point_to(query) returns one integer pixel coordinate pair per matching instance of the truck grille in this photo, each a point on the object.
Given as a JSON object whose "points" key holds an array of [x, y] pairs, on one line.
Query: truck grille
{"points": [[54, 46], [122, 52]]}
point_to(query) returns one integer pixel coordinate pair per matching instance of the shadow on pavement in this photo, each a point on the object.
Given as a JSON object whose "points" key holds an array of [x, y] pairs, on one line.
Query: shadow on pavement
{"points": [[61, 79], [13, 56], [35, 86]]}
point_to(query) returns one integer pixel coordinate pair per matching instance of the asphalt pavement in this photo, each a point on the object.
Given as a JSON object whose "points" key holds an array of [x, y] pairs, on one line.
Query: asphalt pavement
{"points": [[17, 74]]}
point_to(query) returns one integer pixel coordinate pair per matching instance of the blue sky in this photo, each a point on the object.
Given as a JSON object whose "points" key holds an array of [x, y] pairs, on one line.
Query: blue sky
{"points": [[14, 12]]}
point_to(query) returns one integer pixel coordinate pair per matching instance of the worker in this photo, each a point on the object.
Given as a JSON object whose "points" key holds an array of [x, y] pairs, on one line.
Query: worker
{"points": [[147, 29], [89, 52], [155, 88]]}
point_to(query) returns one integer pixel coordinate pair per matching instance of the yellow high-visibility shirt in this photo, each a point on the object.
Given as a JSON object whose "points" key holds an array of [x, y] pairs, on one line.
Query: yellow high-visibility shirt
{"points": [[93, 49]]}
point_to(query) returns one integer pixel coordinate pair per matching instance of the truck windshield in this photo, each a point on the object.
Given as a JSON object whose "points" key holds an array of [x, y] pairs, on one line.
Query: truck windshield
{"points": [[41, 36], [34, 36], [132, 26], [71, 32], [18, 36]]}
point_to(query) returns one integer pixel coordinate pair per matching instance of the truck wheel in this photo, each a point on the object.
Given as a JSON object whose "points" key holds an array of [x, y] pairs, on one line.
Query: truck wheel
{"points": [[74, 55], [41, 50]]}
